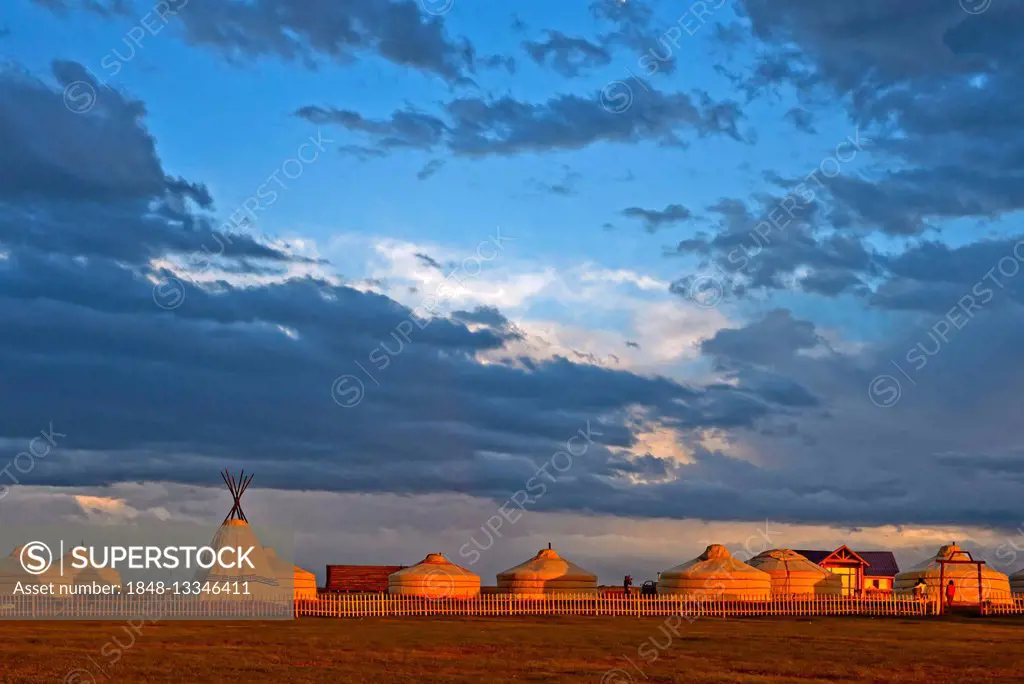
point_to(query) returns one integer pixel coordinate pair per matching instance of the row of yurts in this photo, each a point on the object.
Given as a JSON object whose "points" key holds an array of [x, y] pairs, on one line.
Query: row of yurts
{"points": [[716, 572]]}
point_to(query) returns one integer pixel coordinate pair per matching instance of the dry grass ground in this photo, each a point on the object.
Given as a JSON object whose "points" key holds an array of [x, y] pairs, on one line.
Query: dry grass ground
{"points": [[518, 650]]}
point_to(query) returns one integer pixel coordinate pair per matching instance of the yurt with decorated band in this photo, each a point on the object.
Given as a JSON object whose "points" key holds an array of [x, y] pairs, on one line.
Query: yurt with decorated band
{"points": [[434, 577], [793, 575], [716, 572], [974, 581], [545, 574]]}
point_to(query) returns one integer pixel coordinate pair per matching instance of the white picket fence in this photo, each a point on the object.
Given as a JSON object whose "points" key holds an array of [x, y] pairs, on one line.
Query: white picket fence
{"points": [[485, 605], [1004, 604], [493, 605]]}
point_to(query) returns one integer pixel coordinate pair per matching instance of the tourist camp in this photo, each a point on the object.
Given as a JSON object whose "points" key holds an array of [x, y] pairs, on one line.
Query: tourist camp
{"points": [[716, 572], [544, 574], [434, 577], [794, 575], [973, 580]]}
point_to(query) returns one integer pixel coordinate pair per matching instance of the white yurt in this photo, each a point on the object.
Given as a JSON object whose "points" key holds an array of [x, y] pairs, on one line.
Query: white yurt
{"points": [[547, 573], [794, 575], [303, 581], [12, 572], [972, 578], [716, 572], [434, 577]]}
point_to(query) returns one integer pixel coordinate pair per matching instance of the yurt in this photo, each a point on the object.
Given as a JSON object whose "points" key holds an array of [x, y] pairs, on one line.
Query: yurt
{"points": [[90, 575], [716, 572], [1017, 582], [793, 574], [544, 574], [12, 572], [953, 563], [303, 581], [434, 577]]}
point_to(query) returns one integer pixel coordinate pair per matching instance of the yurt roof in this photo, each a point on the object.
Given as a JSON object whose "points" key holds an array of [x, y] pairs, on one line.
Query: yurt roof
{"points": [[785, 559], [954, 555], [716, 560], [548, 565], [433, 564]]}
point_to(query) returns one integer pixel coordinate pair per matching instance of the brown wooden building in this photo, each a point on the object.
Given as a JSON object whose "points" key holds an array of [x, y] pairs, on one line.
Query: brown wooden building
{"points": [[359, 578], [861, 571]]}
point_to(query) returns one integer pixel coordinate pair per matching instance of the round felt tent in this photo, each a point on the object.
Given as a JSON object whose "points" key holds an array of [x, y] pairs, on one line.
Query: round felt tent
{"points": [[303, 581], [973, 579], [12, 572], [101, 576], [434, 577], [792, 574], [546, 573], [716, 572]]}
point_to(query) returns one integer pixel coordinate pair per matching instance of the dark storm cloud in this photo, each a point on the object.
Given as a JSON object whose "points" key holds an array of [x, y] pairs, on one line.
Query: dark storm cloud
{"points": [[242, 373], [311, 31], [949, 82], [654, 219], [568, 55], [99, 186], [774, 337], [801, 119], [429, 169], [475, 127]]}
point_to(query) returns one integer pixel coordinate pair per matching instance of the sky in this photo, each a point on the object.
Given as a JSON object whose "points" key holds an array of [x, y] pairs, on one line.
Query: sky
{"points": [[627, 276]]}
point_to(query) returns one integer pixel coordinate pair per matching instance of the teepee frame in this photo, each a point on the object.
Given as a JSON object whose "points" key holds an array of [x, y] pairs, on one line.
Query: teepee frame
{"points": [[237, 488]]}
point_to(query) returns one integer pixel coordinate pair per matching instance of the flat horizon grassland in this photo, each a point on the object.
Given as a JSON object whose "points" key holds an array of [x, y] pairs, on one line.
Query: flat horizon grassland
{"points": [[557, 649]]}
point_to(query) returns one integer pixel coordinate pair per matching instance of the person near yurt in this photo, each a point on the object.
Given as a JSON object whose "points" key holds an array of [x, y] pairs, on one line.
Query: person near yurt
{"points": [[434, 577], [793, 575], [303, 581], [716, 572], [972, 579], [544, 574]]}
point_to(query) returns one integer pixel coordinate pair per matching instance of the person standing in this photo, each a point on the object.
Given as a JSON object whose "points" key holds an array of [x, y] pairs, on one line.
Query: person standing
{"points": [[627, 582], [950, 593]]}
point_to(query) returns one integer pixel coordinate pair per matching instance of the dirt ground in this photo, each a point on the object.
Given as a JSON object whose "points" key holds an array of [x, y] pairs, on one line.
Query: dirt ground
{"points": [[606, 650]]}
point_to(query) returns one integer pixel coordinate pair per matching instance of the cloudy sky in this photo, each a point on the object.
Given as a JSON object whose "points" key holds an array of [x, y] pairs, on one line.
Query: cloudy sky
{"points": [[627, 276]]}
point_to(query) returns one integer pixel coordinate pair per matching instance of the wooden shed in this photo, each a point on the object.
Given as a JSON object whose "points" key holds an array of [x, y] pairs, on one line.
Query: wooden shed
{"points": [[360, 578]]}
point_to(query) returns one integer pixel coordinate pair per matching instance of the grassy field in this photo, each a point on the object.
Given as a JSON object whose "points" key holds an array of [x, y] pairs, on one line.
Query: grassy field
{"points": [[608, 650]]}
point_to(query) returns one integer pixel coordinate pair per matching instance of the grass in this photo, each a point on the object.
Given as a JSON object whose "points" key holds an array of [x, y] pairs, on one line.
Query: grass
{"points": [[517, 650]]}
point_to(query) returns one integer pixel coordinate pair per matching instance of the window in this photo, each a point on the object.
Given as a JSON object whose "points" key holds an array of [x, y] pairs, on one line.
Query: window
{"points": [[874, 583], [849, 578]]}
